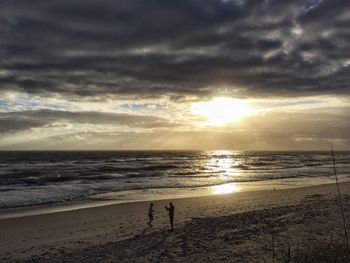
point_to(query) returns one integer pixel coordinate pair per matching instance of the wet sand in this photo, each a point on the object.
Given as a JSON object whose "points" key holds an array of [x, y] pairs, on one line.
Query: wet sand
{"points": [[236, 227]]}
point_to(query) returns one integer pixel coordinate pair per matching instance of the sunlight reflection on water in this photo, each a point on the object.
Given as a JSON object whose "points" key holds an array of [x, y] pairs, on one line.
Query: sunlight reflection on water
{"points": [[224, 163]]}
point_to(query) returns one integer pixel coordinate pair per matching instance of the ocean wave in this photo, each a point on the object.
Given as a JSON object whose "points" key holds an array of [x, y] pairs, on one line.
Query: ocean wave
{"points": [[111, 169], [43, 177]]}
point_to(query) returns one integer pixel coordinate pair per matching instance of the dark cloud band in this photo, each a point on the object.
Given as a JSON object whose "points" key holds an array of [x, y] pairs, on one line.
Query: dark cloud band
{"points": [[165, 47], [23, 120]]}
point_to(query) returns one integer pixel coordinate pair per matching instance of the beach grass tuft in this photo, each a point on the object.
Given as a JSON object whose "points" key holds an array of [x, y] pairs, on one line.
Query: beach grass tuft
{"points": [[325, 252]]}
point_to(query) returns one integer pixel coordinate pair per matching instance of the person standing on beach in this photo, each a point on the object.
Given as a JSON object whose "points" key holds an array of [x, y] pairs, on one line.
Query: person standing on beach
{"points": [[150, 214], [171, 210]]}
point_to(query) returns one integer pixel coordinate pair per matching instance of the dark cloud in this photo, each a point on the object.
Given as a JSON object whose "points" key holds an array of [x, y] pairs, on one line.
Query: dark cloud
{"points": [[131, 48], [23, 120], [18, 124]]}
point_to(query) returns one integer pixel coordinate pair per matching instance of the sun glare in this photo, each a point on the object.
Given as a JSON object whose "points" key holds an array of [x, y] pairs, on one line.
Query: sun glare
{"points": [[225, 189], [221, 111]]}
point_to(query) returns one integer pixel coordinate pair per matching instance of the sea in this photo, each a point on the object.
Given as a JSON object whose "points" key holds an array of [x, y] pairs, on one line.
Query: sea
{"points": [[34, 178]]}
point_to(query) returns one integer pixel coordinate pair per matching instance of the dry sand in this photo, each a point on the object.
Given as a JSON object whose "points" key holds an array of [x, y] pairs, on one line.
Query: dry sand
{"points": [[228, 228]]}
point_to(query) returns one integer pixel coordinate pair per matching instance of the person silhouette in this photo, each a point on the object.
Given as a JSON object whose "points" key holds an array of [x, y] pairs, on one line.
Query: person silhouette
{"points": [[171, 210], [150, 214]]}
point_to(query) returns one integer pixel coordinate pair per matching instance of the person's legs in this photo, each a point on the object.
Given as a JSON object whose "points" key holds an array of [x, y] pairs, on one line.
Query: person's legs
{"points": [[150, 220], [172, 222]]}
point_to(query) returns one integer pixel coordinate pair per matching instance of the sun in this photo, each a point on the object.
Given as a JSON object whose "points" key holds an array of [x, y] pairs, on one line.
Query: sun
{"points": [[221, 110]]}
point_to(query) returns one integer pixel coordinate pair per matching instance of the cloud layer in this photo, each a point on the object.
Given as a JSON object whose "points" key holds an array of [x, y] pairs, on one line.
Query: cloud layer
{"points": [[122, 74], [136, 48]]}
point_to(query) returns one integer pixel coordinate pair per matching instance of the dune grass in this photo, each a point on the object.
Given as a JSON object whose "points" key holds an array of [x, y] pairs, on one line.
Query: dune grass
{"points": [[323, 252]]}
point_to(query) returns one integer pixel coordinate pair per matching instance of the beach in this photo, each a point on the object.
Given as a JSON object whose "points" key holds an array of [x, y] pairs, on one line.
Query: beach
{"points": [[175, 131], [236, 227]]}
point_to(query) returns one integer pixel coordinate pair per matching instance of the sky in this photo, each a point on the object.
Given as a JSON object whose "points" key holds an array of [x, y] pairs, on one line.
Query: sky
{"points": [[174, 75]]}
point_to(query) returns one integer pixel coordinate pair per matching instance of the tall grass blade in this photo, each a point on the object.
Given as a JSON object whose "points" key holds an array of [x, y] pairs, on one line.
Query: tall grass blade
{"points": [[339, 197]]}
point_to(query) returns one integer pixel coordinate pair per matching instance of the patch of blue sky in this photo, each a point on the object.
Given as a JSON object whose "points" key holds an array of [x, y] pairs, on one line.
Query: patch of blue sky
{"points": [[24, 102], [5, 105], [311, 4], [142, 107]]}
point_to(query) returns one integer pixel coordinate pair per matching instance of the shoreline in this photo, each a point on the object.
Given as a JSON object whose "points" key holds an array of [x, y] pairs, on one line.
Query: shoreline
{"points": [[109, 198], [70, 231]]}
